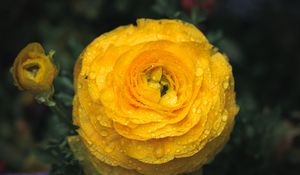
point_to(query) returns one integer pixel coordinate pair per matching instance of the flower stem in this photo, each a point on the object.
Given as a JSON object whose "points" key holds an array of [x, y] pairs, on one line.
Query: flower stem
{"points": [[60, 112]]}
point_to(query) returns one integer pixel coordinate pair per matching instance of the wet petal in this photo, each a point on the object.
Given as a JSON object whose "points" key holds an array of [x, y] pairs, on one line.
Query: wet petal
{"points": [[150, 98]]}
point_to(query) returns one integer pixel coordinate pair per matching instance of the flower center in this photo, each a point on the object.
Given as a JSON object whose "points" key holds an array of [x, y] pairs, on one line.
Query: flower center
{"points": [[157, 79], [32, 69]]}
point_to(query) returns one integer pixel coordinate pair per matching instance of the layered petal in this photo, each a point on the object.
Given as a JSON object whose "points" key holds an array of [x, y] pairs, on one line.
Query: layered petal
{"points": [[33, 70], [150, 98]]}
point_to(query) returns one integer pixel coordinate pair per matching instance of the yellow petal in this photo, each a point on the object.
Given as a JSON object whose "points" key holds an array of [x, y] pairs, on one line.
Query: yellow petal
{"points": [[156, 74], [33, 71], [154, 98]]}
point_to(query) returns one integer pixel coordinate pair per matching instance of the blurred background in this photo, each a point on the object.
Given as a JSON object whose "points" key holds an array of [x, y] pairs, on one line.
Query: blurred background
{"points": [[261, 38]]}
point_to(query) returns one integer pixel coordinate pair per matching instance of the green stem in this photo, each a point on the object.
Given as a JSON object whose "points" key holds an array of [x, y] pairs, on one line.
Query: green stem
{"points": [[62, 115], [47, 99]]}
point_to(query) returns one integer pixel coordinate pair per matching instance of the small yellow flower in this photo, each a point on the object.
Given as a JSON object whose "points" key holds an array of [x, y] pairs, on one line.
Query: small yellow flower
{"points": [[33, 71], [152, 99]]}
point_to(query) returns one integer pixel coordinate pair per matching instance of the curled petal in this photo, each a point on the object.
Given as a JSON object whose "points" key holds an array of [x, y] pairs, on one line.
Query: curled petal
{"points": [[155, 98], [34, 71]]}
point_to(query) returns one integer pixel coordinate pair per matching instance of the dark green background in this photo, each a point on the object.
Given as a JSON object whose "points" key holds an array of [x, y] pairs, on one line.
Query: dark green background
{"points": [[261, 38]]}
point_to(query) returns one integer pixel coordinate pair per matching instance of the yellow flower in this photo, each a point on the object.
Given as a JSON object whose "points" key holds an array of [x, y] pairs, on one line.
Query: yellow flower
{"points": [[154, 99], [33, 71]]}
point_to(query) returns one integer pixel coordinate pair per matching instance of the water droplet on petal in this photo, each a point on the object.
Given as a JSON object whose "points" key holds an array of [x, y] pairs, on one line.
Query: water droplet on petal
{"points": [[102, 70], [159, 152], [206, 132], [109, 148], [225, 85], [107, 95], [216, 125], [92, 75], [104, 133], [198, 72], [89, 142], [224, 118], [194, 110], [104, 123]]}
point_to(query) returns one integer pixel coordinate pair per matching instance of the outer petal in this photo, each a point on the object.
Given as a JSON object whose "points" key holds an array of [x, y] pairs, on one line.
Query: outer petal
{"points": [[124, 126]]}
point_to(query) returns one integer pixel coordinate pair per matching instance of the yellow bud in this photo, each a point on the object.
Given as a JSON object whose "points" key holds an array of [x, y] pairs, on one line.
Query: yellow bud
{"points": [[33, 71]]}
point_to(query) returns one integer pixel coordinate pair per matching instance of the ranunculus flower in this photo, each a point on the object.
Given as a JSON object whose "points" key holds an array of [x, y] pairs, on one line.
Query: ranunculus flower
{"points": [[154, 98], [33, 71]]}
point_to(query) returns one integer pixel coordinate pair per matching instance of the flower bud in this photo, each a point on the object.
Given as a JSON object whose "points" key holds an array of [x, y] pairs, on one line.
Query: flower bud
{"points": [[33, 71]]}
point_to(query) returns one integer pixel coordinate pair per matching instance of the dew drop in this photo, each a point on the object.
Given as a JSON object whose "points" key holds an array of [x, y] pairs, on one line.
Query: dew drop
{"points": [[114, 162], [194, 110], [225, 85], [206, 132], [109, 148], [89, 142], [198, 111], [104, 133], [199, 72], [92, 75], [102, 70], [216, 125], [159, 152], [224, 118], [104, 123]]}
